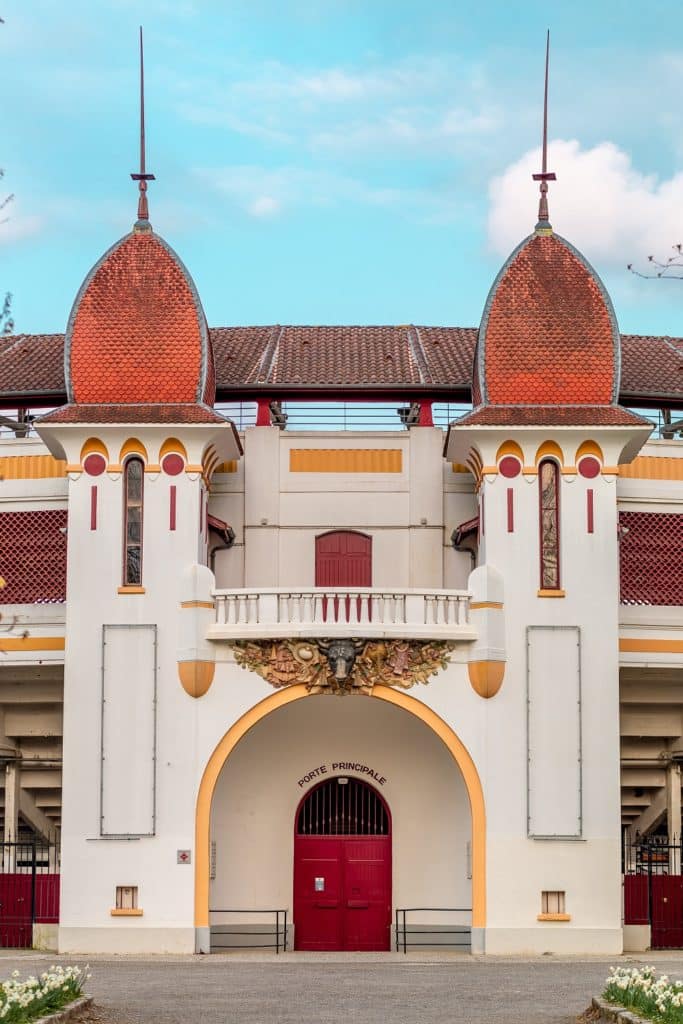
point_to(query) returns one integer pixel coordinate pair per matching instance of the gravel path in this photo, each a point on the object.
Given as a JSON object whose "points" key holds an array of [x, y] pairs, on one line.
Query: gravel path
{"points": [[300, 989]]}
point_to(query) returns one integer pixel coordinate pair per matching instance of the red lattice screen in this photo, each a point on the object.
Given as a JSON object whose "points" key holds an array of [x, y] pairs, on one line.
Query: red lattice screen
{"points": [[33, 556], [651, 557]]}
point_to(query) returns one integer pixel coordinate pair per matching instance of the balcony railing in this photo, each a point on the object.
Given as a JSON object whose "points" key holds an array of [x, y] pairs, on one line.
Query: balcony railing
{"points": [[329, 612]]}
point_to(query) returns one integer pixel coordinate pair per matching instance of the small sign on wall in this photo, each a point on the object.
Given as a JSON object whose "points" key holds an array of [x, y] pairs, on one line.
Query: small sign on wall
{"points": [[320, 885], [184, 857]]}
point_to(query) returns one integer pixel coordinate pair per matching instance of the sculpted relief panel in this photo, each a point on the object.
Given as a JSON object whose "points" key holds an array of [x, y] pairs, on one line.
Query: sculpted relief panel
{"points": [[343, 666]]}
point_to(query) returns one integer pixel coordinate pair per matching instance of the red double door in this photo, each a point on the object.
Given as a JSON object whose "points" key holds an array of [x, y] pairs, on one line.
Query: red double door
{"points": [[342, 892]]}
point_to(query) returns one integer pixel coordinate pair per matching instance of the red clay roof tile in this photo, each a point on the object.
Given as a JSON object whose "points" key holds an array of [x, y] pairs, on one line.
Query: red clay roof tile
{"points": [[548, 333], [134, 413], [137, 331]]}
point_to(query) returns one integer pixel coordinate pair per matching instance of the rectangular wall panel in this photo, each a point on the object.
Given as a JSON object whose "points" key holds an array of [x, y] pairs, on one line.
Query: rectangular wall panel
{"points": [[128, 781], [554, 731]]}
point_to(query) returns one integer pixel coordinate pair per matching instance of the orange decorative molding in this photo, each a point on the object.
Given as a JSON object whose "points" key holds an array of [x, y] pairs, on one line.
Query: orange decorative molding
{"points": [[93, 446], [345, 460], [589, 448], [227, 467], [510, 448], [196, 676], [486, 677], [193, 468], [197, 604], [32, 643], [475, 605], [651, 646], [133, 447], [457, 467], [549, 449], [152, 468], [130, 590], [172, 446], [554, 917], [652, 467], [33, 467], [128, 912], [550, 593]]}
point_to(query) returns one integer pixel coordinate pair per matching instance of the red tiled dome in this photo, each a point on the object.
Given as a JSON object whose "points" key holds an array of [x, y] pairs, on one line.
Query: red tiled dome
{"points": [[137, 331], [548, 334]]}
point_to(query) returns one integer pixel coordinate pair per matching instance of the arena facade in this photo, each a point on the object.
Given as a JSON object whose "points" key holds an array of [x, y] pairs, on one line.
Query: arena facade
{"points": [[343, 670]]}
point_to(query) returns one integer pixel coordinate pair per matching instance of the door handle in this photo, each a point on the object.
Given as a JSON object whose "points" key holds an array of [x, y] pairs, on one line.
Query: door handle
{"points": [[358, 904]]}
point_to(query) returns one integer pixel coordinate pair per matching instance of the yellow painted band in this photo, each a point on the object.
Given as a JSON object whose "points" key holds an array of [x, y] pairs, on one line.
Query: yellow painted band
{"points": [[31, 467], [457, 467], [655, 646], [345, 460], [32, 643], [286, 696], [153, 468], [474, 605], [227, 467], [197, 604], [650, 467], [554, 917], [130, 590], [550, 593], [128, 912], [191, 468]]}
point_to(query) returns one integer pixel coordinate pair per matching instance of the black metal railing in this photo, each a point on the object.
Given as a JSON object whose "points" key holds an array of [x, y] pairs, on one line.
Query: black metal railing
{"points": [[278, 931], [458, 936], [653, 855]]}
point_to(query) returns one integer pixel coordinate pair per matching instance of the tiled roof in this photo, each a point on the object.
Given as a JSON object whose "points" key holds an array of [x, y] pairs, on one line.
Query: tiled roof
{"points": [[548, 334], [551, 416], [137, 331], [247, 358], [134, 413]]}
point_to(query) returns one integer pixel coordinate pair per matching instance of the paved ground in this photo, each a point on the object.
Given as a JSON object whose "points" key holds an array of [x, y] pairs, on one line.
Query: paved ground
{"points": [[329, 989]]}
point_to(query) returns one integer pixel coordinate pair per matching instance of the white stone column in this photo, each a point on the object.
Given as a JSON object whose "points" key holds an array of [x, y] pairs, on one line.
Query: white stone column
{"points": [[12, 790], [673, 814]]}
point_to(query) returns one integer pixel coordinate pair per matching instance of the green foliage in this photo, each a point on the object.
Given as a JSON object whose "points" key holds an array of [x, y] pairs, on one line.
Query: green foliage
{"points": [[25, 1001], [646, 994]]}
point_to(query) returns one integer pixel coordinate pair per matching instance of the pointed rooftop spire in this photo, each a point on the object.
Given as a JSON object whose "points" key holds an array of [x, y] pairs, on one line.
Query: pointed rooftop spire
{"points": [[545, 175], [142, 177]]}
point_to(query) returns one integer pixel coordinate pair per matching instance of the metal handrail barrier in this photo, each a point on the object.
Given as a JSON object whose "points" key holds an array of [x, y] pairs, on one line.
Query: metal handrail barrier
{"points": [[280, 933], [422, 930]]}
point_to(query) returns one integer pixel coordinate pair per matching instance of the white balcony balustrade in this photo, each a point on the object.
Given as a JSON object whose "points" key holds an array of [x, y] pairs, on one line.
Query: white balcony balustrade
{"points": [[328, 612]]}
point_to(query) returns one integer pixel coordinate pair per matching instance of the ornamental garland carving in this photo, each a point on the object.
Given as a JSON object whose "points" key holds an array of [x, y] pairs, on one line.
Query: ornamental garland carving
{"points": [[343, 666]]}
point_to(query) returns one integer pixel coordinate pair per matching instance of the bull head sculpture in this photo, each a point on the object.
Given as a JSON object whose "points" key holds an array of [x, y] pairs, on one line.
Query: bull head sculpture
{"points": [[341, 655]]}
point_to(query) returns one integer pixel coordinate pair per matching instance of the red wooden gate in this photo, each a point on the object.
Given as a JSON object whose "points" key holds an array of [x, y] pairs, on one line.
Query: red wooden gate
{"points": [[342, 869], [343, 558], [667, 911]]}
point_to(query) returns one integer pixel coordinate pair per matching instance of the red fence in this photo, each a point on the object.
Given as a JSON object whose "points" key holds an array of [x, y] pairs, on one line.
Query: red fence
{"points": [[33, 556], [29, 891], [651, 558]]}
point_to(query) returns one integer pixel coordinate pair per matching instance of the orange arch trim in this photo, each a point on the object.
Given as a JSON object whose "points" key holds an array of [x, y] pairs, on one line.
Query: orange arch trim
{"points": [[510, 448], [93, 444], [589, 448], [172, 446], [133, 447], [549, 449], [241, 727]]}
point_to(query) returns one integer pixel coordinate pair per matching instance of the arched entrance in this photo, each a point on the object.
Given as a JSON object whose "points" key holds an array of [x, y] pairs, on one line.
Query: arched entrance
{"points": [[342, 868], [298, 695]]}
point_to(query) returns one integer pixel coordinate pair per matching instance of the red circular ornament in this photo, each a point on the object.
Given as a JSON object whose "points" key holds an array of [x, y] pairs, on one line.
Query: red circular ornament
{"points": [[509, 467], [173, 464], [94, 464], [589, 467]]}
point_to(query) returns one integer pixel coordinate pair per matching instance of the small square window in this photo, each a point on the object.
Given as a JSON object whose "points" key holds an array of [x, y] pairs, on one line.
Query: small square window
{"points": [[126, 897], [553, 901]]}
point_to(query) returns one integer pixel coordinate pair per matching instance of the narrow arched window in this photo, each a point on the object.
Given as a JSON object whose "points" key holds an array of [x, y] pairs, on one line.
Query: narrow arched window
{"points": [[549, 512], [133, 482]]}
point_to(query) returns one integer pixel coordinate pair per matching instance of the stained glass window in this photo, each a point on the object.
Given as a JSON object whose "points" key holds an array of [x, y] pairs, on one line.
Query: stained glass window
{"points": [[548, 479], [132, 536]]}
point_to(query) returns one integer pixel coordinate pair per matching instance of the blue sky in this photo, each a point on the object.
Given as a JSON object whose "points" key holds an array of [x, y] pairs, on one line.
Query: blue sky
{"points": [[334, 161]]}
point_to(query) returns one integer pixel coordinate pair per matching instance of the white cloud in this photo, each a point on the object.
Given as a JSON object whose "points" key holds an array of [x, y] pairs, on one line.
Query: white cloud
{"points": [[264, 206], [612, 212]]}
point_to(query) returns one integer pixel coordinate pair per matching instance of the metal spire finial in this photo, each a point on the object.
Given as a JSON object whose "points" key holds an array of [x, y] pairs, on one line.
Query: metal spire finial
{"points": [[142, 177], [545, 176]]}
